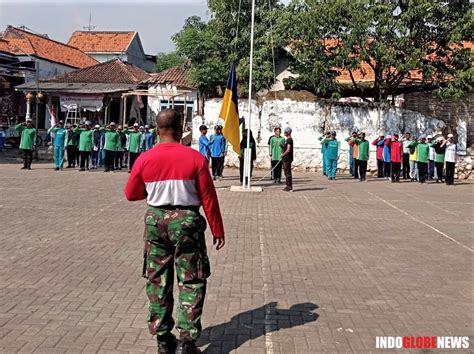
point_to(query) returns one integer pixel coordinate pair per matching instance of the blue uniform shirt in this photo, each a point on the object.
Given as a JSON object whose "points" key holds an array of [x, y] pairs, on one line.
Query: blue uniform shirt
{"points": [[60, 137], [217, 145], [332, 149], [204, 146]]}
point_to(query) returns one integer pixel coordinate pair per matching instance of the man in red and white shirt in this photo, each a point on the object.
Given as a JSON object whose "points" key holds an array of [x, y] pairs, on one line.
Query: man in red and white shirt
{"points": [[175, 181]]}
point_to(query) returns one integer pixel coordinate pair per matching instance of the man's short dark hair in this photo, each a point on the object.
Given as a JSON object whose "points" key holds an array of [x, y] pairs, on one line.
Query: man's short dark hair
{"points": [[169, 119]]}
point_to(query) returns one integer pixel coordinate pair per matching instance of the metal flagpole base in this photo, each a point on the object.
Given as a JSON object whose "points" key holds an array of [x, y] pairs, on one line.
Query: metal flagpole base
{"points": [[247, 190]]}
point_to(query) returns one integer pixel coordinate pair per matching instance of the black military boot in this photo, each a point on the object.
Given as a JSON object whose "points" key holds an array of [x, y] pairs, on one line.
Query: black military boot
{"points": [[187, 346], [166, 344]]}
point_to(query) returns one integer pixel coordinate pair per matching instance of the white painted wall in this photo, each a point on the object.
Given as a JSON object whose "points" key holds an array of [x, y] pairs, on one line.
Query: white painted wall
{"points": [[309, 119]]}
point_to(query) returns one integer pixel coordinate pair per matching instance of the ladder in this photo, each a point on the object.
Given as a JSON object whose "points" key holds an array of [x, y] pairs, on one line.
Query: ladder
{"points": [[72, 115]]}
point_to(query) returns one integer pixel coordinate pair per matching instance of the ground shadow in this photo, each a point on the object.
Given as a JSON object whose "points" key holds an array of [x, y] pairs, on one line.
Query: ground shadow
{"points": [[309, 189], [248, 325]]}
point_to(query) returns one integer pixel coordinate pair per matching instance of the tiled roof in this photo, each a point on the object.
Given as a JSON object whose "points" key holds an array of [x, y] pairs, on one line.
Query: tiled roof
{"points": [[4, 47], [101, 41], [176, 75], [113, 71], [21, 42], [366, 74]]}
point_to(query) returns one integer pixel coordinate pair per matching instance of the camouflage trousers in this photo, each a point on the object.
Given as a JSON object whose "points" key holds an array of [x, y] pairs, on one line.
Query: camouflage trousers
{"points": [[174, 239]]}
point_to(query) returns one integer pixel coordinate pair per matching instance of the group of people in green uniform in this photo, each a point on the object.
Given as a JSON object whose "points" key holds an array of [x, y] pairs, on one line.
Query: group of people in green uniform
{"points": [[407, 157], [90, 146]]}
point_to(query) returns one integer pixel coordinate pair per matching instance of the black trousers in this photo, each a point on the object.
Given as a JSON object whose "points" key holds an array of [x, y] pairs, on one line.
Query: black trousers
{"points": [[71, 151], [422, 171], [380, 168], [406, 166], [439, 171], [450, 172], [277, 166], [356, 168], [221, 167], [118, 160], [216, 166], [362, 170], [133, 158], [386, 169], [396, 171], [109, 160], [27, 158], [84, 159], [288, 175], [241, 167]]}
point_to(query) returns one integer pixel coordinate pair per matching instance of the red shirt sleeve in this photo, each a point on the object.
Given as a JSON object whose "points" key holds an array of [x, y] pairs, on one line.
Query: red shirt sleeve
{"points": [[207, 193], [135, 188]]}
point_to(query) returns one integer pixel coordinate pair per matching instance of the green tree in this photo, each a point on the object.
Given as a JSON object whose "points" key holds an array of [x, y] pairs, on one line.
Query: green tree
{"points": [[212, 46], [400, 43], [167, 60]]}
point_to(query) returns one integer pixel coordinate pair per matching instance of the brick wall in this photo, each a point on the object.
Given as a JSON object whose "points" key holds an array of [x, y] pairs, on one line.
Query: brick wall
{"points": [[449, 111]]}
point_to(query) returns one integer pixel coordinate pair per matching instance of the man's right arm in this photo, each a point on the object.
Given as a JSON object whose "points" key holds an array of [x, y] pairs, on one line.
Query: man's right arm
{"points": [[135, 188]]}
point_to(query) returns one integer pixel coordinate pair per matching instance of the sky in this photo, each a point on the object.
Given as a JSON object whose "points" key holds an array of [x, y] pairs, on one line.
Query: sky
{"points": [[155, 20]]}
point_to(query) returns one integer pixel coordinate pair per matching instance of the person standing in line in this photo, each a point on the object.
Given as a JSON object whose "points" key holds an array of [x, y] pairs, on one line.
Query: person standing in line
{"points": [[413, 158], [134, 145], [121, 142], [204, 143], [431, 158], [379, 143], [439, 158], [287, 159], [96, 136], [422, 155], [175, 181], [351, 154], [86, 141], [218, 145], [253, 154], [276, 149], [406, 141], [327, 135], [355, 153], [59, 144], [332, 155], [143, 139], [110, 146], [269, 148], [3, 136], [71, 146], [450, 158], [27, 142], [362, 155], [396, 156], [149, 138], [386, 157]]}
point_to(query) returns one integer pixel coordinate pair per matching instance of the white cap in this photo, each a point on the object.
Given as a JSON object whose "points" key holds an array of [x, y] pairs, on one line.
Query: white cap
{"points": [[97, 126], [429, 137], [135, 125], [29, 120], [450, 136], [147, 126], [112, 124], [388, 137]]}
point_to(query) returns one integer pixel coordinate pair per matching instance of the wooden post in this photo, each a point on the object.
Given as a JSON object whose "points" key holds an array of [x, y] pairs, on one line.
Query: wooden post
{"points": [[124, 108]]}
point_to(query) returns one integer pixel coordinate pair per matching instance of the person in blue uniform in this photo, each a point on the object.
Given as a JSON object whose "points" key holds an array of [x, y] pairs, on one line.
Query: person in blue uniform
{"points": [[331, 154], [59, 144]]}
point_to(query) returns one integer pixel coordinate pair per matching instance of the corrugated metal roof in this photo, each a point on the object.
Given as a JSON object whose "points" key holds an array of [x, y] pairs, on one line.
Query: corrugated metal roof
{"points": [[176, 75]]}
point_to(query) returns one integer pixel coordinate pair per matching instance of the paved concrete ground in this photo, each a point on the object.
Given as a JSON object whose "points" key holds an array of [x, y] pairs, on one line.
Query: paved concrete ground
{"points": [[324, 269]]}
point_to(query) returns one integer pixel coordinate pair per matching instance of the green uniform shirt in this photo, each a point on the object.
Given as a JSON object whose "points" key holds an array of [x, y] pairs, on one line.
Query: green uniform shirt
{"points": [[275, 147], [111, 139], [363, 149], [438, 157], [72, 138], [422, 151], [134, 140], [28, 136], [85, 139]]}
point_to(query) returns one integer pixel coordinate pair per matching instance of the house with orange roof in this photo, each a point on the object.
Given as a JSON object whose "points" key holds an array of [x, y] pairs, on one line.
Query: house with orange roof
{"points": [[106, 45], [27, 57]]}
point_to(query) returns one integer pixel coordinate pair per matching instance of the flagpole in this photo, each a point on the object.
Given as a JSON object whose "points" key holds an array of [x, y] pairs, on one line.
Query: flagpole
{"points": [[248, 155]]}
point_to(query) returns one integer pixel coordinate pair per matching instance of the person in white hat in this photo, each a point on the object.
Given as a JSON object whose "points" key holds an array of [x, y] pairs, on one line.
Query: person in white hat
{"points": [[96, 139], [110, 146], [134, 144], [27, 142], [431, 159], [450, 158]]}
